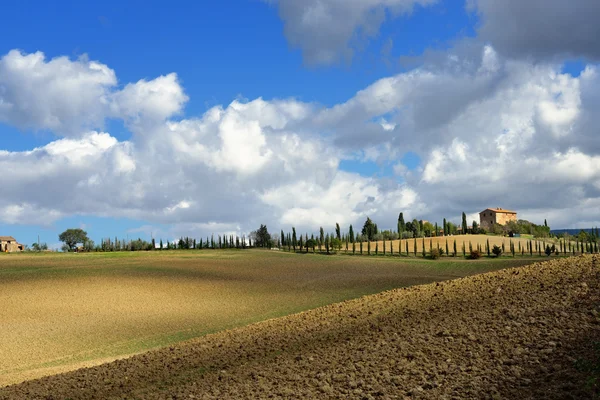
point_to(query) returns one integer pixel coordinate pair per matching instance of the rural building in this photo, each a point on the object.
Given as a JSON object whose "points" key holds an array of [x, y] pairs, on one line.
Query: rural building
{"points": [[500, 216], [8, 244]]}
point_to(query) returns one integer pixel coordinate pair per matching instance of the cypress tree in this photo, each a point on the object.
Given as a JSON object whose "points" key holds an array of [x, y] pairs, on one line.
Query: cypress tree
{"points": [[447, 249], [464, 250], [401, 224], [464, 223], [470, 247], [161, 244], [384, 246], [369, 246], [454, 254], [361, 248], [423, 252], [436, 229], [488, 247], [503, 248], [445, 228], [338, 232], [327, 242], [415, 247], [376, 248], [351, 234], [282, 238], [391, 247], [353, 248], [407, 252], [430, 245], [294, 239], [321, 237]]}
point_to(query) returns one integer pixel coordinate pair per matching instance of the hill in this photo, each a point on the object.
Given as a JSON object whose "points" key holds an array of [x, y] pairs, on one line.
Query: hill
{"points": [[515, 333]]}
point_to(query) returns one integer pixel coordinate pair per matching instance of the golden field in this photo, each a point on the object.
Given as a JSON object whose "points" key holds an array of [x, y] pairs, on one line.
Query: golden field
{"points": [[59, 312]]}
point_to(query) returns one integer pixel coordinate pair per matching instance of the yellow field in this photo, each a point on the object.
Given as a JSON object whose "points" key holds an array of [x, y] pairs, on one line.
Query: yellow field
{"points": [[460, 239]]}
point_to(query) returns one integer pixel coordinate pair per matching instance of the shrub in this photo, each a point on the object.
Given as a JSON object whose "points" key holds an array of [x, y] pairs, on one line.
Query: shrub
{"points": [[434, 254], [475, 254], [497, 250]]}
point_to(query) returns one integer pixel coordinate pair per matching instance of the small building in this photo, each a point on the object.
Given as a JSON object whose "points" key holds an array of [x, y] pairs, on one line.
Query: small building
{"points": [[500, 216], [8, 244]]}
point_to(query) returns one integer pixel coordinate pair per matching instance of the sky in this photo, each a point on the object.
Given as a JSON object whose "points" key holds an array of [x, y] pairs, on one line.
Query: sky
{"points": [[167, 119]]}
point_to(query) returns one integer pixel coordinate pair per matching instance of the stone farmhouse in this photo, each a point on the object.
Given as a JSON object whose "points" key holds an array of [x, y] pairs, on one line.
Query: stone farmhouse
{"points": [[8, 244], [491, 216]]}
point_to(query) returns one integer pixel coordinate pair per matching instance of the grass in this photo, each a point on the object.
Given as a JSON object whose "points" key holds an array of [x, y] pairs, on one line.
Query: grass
{"points": [[63, 311]]}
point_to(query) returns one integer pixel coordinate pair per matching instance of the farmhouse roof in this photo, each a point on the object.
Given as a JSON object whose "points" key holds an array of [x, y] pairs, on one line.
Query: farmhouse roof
{"points": [[499, 211], [7, 238]]}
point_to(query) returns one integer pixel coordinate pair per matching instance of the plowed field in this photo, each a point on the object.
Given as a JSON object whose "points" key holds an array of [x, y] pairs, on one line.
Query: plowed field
{"points": [[62, 312], [515, 334]]}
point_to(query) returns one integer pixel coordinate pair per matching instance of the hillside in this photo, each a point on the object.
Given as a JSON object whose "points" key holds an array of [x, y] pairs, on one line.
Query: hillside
{"points": [[515, 333]]}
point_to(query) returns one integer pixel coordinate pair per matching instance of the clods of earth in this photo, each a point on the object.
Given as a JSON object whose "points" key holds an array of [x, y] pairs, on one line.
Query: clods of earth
{"points": [[521, 333]]}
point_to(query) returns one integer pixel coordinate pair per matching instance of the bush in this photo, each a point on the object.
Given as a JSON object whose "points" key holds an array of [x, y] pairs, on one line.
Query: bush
{"points": [[434, 254], [497, 250], [475, 254]]}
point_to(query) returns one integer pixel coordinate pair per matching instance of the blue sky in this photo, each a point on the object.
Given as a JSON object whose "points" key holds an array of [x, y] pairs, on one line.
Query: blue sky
{"points": [[240, 50]]}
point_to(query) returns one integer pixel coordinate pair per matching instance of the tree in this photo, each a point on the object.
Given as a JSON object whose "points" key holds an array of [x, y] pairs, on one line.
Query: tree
{"points": [[464, 223], [369, 229], [497, 250], [294, 238], [72, 237], [401, 224], [338, 233], [416, 228], [428, 229], [262, 238], [445, 227], [351, 234], [321, 237]]}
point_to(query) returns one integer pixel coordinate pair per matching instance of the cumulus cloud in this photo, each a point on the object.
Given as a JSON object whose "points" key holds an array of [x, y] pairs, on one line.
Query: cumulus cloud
{"points": [[69, 97], [490, 131], [540, 28], [327, 31], [60, 95]]}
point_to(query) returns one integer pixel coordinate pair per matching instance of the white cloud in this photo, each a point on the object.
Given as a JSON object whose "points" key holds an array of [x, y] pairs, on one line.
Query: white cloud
{"points": [[69, 97], [491, 131], [59, 95]]}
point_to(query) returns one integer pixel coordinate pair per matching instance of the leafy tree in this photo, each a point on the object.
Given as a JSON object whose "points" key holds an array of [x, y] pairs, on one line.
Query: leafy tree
{"points": [[497, 250], [464, 223], [351, 234], [310, 243], [335, 243], [72, 237], [416, 228], [475, 228], [338, 233], [369, 229], [262, 238], [427, 229]]}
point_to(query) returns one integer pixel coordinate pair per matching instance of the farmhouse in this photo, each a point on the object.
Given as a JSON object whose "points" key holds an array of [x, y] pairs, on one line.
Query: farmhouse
{"points": [[491, 216], [8, 244]]}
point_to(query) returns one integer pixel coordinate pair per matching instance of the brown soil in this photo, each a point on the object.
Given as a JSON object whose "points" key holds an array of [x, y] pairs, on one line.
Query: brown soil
{"points": [[514, 334]]}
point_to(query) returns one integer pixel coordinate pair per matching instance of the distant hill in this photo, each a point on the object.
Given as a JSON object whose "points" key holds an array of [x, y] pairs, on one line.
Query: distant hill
{"points": [[569, 231]]}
